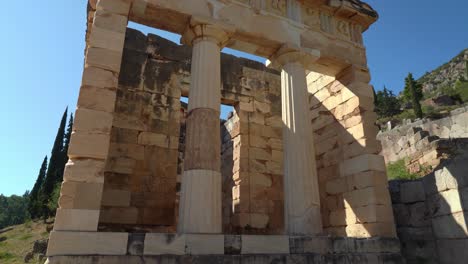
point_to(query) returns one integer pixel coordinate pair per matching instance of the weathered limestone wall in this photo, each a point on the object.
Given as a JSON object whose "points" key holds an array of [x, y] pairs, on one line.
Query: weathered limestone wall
{"points": [[401, 142], [146, 153], [432, 213], [141, 172], [352, 178]]}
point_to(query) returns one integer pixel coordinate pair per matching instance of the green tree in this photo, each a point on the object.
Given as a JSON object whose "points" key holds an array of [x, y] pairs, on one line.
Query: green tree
{"points": [[386, 103], [64, 155], [413, 93], [34, 201], [54, 171], [13, 210]]}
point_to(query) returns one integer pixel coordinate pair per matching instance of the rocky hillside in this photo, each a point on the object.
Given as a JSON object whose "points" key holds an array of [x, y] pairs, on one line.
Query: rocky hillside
{"points": [[445, 76]]}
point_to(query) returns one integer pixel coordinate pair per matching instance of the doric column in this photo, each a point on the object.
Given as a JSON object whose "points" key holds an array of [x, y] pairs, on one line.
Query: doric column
{"points": [[200, 203], [302, 200]]}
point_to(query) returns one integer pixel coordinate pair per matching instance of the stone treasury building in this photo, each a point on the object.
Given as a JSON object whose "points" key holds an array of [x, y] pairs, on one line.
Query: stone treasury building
{"points": [[292, 176]]}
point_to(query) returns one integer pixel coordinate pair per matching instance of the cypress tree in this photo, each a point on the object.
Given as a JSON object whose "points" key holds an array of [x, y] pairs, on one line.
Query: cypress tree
{"points": [[33, 205], [53, 171], [413, 93], [64, 152]]}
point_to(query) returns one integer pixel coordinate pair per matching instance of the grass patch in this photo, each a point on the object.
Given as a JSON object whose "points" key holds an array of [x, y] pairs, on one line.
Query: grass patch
{"points": [[6, 256], [398, 171], [25, 237]]}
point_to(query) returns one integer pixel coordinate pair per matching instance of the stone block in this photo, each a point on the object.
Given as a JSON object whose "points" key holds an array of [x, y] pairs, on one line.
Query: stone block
{"points": [[92, 121], [76, 220], [117, 198], [106, 39], [259, 154], [377, 195], [258, 142], [336, 186], [80, 195], [362, 163], [260, 244], [367, 179], [412, 191], [85, 145], [87, 243], [376, 245], [100, 99], [84, 170], [110, 21], [121, 7], [445, 203], [204, 244], [130, 151], [450, 226], [365, 129], [105, 59], [418, 215], [232, 244], [259, 220], [100, 78], [371, 230], [136, 244], [452, 250], [374, 213], [164, 244], [160, 140], [260, 179], [119, 215], [310, 245]]}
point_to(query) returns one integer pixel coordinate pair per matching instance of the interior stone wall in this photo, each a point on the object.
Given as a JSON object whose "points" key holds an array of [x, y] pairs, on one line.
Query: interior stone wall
{"points": [[142, 177]]}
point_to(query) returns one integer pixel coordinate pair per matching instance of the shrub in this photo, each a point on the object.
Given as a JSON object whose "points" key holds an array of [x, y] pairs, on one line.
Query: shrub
{"points": [[398, 171]]}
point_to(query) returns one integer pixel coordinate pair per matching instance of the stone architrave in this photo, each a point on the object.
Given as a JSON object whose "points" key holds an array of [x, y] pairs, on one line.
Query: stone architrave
{"points": [[200, 205], [302, 199]]}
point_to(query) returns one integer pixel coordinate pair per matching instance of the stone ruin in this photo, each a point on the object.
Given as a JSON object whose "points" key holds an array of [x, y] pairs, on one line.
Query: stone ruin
{"points": [[293, 176]]}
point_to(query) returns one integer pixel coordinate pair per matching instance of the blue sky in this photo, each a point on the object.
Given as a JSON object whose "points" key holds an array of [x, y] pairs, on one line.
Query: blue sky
{"points": [[42, 58]]}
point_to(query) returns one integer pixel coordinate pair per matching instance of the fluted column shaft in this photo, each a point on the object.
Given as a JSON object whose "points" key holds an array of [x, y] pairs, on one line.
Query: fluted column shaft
{"points": [[200, 205], [301, 191], [302, 200]]}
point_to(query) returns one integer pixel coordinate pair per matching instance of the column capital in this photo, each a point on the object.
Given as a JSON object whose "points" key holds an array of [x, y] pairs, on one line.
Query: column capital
{"points": [[205, 29], [290, 53]]}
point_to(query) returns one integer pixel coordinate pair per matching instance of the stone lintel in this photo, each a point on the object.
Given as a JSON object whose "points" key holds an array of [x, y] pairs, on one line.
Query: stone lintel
{"points": [[290, 53]]}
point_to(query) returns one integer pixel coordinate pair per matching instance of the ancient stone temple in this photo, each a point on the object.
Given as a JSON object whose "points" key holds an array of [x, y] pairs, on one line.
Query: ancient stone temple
{"points": [[292, 176]]}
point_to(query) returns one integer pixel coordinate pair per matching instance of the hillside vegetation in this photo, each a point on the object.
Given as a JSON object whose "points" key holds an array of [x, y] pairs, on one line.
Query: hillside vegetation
{"points": [[17, 241]]}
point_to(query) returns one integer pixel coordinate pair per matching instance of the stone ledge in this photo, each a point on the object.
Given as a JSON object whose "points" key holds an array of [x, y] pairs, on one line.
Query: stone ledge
{"points": [[234, 259], [155, 244]]}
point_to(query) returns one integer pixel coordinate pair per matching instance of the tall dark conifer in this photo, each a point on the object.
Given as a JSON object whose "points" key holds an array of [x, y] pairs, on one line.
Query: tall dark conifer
{"points": [[33, 206], [64, 154], [55, 161], [413, 93]]}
